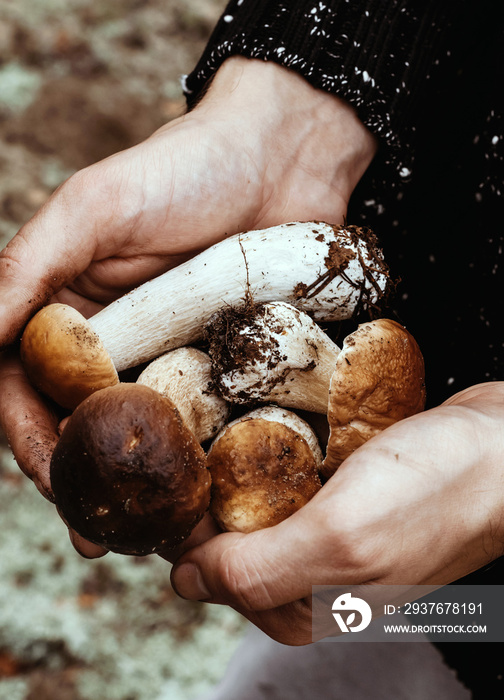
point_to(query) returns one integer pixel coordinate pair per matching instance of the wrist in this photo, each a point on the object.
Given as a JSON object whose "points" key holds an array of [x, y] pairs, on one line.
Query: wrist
{"points": [[310, 145]]}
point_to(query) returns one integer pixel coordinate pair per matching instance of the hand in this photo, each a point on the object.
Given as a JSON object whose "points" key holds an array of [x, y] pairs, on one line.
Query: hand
{"points": [[262, 147], [421, 503]]}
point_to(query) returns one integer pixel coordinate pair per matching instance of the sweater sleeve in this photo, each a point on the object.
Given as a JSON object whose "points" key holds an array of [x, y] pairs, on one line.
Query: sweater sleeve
{"points": [[376, 54]]}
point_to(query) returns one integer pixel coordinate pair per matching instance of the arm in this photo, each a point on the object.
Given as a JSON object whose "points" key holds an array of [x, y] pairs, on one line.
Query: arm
{"points": [[380, 57]]}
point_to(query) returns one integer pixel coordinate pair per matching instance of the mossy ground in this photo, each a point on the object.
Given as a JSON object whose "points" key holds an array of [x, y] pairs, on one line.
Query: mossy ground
{"points": [[108, 629]]}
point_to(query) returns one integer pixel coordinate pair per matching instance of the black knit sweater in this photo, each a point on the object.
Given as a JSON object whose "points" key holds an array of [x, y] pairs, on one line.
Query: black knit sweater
{"points": [[367, 52], [425, 76]]}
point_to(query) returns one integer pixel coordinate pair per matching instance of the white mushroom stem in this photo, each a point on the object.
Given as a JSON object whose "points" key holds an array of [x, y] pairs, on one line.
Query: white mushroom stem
{"points": [[184, 376], [272, 353], [330, 271]]}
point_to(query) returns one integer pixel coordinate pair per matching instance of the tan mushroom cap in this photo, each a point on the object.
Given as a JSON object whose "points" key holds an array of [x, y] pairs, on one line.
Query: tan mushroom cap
{"points": [[64, 357], [379, 379], [262, 472]]}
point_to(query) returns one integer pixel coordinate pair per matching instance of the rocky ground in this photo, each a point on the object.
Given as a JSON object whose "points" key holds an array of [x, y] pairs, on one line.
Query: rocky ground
{"points": [[79, 80]]}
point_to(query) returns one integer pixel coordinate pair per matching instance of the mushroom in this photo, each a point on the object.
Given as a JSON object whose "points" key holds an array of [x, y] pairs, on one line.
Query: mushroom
{"points": [[64, 357], [330, 271], [379, 379], [274, 352], [264, 467], [184, 376], [127, 474], [271, 352]]}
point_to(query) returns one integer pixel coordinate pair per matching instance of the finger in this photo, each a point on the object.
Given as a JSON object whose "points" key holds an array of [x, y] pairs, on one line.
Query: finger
{"points": [[275, 566], [86, 549], [204, 531], [107, 279], [290, 624], [244, 571], [49, 251], [29, 425], [85, 306]]}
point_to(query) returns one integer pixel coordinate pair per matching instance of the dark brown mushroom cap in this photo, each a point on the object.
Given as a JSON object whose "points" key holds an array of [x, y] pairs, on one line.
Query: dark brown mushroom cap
{"points": [[262, 472], [64, 357], [127, 473], [378, 380]]}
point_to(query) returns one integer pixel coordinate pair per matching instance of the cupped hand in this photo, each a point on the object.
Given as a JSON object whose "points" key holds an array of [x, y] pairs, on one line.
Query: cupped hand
{"points": [[421, 503], [262, 147]]}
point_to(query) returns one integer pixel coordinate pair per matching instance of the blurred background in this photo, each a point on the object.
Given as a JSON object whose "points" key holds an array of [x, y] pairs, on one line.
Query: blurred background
{"points": [[79, 80]]}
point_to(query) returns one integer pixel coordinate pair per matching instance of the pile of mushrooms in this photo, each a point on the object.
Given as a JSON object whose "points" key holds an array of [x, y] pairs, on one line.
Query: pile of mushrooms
{"points": [[130, 473]]}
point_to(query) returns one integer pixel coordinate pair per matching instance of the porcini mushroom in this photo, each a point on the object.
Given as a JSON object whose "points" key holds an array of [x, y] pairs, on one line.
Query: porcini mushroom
{"points": [[271, 352], [184, 376], [331, 271], [264, 467], [64, 357], [127, 474], [378, 380]]}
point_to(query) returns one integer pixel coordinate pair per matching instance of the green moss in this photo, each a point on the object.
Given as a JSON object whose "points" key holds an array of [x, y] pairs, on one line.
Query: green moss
{"points": [[18, 86], [13, 689]]}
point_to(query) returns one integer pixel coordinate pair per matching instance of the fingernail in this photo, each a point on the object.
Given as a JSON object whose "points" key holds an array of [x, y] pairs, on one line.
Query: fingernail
{"points": [[86, 549], [188, 582], [73, 540]]}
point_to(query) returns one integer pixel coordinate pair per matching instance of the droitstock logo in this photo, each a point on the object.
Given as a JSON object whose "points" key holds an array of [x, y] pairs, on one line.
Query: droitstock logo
{"points": [[349, 604]]}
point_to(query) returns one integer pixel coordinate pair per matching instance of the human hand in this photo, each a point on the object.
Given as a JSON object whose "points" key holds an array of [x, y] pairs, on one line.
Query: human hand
{"points": [[262, 147], [420, 503]]}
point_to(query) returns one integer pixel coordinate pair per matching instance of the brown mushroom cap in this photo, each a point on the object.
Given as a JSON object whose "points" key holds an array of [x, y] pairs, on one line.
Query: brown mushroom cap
{"points": [[64, 357], [127, 473], [262, 472], [379, 379]]}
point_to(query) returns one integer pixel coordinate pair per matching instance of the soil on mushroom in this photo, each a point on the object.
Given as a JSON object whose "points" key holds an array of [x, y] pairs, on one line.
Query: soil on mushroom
{"points": [[337, 262]]}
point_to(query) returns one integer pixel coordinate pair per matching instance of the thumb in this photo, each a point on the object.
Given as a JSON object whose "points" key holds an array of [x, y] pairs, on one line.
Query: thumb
{"points": [[55, 246], [263, 569]]}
